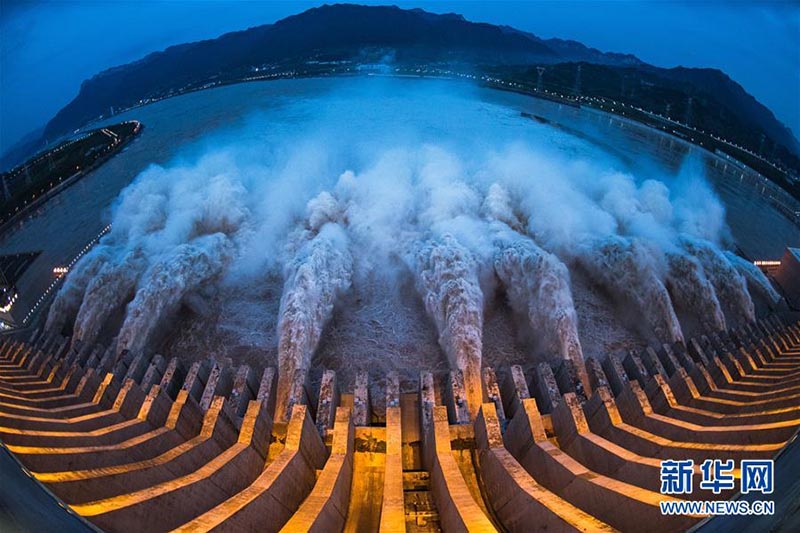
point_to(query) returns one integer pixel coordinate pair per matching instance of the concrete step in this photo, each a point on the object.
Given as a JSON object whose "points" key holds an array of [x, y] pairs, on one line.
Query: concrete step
{"points": [[392, 515], [664, 401], [325, 508], [517, 499], [622, 505], [694, 391], [172, 423], [51, 458], [187, 496], [604, 419], [278, 490], [636, 410], [457, 507], [605, 457], [142, 442], [81, 486]]}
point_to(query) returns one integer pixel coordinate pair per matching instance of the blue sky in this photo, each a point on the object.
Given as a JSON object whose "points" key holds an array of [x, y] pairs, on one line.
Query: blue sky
{"points": [[48, 47]]}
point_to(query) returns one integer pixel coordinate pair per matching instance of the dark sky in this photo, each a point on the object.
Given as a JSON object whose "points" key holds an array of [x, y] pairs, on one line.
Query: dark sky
{"points": [[48, 48]]}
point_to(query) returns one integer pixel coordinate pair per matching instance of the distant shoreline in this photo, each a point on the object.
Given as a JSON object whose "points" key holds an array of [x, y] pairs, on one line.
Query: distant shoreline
{"points": [[495, 85], [64, 185]]}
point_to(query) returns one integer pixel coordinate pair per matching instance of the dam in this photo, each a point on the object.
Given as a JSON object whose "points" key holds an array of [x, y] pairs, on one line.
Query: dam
{"points": [[331, 306], [152, 444]]}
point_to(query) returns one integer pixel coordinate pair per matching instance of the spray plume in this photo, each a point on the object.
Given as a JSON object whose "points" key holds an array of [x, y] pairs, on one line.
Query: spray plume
{"points": [[627, 269], [113, 285], [446, 276], [318, 272], [537, 283], [166, 282], [689, 286], [756, 280], [412, 203], [68, 300], [729, 284]]}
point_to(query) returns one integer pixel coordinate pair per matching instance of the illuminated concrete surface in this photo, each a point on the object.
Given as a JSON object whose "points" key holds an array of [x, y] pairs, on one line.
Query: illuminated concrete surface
{"points": [[148, 444]]}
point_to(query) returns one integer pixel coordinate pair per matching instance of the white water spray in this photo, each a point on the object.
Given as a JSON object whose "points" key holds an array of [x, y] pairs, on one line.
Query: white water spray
{"points": [[689, 286], [537, 283], [113, 285], [68, 300], [626, 268], [729, 284], [184, 269], [756, 280], [318, 272], [446, 276]]}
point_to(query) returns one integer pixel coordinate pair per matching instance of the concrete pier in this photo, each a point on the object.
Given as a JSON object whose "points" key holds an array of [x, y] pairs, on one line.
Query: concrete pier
{"points": [[153, 444]]}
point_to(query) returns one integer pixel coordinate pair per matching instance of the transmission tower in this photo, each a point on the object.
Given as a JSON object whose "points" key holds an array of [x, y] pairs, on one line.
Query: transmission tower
{"points": [[578, 81], [539, 73], [689, 112]]}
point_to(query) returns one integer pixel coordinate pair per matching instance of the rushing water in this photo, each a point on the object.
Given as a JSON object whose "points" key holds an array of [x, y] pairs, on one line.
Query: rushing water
{"points": [[270, 113]]}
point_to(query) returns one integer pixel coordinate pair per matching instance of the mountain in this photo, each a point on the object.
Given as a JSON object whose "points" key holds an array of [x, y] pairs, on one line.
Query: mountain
{"points": [[747, 109], [367, 34], [20, 150], [339, 31]]}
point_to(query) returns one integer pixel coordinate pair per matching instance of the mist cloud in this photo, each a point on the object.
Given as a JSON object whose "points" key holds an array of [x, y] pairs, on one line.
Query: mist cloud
{"points": [[326, 209]]}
